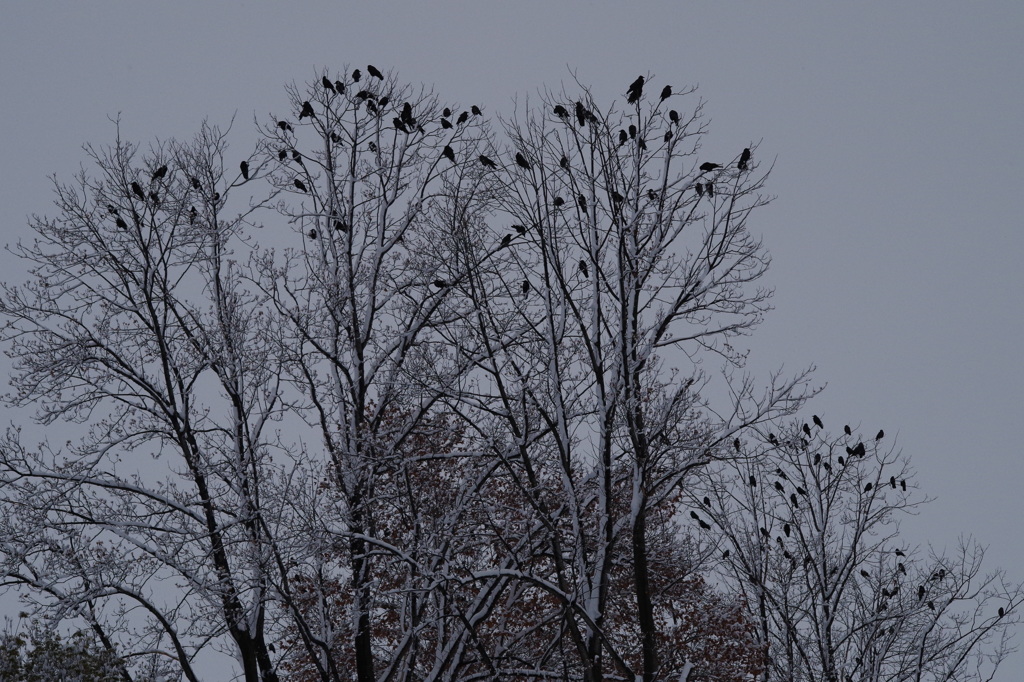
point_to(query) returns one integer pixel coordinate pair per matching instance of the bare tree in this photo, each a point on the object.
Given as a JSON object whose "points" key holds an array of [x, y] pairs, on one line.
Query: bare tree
{"points": [[809, 525]]}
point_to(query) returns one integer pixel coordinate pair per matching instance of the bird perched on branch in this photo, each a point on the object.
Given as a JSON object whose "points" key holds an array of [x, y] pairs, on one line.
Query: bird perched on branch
{"points": [[326, 82], [708, 166], [448, 153], [244, 167], [307, 110], [373, 71], [487, 162], [636, 90], [521, 161], [159, 173], [666, 92], [561, 112], [744, 159]]}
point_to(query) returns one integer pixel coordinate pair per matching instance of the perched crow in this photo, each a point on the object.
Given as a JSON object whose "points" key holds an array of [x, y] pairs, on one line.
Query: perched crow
{"points": [[744, 158], [772, 439], [673, 116], [447, 113], [581, 114], [312, 234], [475, 110], [641, 144], [192, 215], [725, 554], [817, 458], [622, 137], [448, 153], [506, 240], [806, 429], [307, 110], [903, 484], [708, 166], [583, 269], [901, 568], [155, 198], [339, 87], [693, 515], [463, 117], [297, 157], [847, 430], [521, 161], [931, 605], [561, 112], [159, 173], [617, 198], [372, 70], [667, 136], [764, 532], [137, 189], [920, 592], [632, 131], [564, 163], [666, 92], [339, 226], [778, 486], [700, 189], [558, 202], [487, 163], [326, 82], [383, 101], [284, 125], [195, 183], [792, 499], [880, 435], [283, 154], [707, 501], [709, 187], [521, 229], [753, 481], [899, 552], [1001, 612], [786, 529], [704, 525], [817, 421], [407, 116], [440, 283], [892, 482], [842, 462], [446, 124], [859, 450], [865, 573], [300, 185], [244, 167], [582, 201], [121, 223], [399, 125], [526, 286], [868, 488], [636, 90], [736, 444], [356, 75]]}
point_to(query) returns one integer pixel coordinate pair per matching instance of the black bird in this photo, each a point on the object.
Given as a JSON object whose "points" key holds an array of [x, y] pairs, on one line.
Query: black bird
{"points": [[827, 467], [772, 439], [666, 92], [216, 196], [817, 421], [806, 429], [372, 70], [244, 167], [159, 173], [297, 157], [859, 450], [817, 458], [195, 183], [865, 573], [1001, 612], [285, 125], [299, 184], [582, 201], [736, 444], [903, 484], [192, 215], [312, 234], [558, 202], [892, 482], [506, 240], [693, 515], [487, 163], [899, 552], [339, 226], [786, 529], [399, 125], [356, 75], [521, 229], [901, 568], [446, 124], [778, 486], [636, 90], [447, 113], [847, 430], [583, 269], [326, 82], [764, 532], [581, 114], [708, 166], [667, 136], [707, 501], [920, 592], [137, 189], [371, 107], [725, 554], [753, 481], [448, 153], [704, 525], [868, 488], [632, 131], [155, 198], [781, 474], [475, 110], [463, 117], [641, 143], [792, 499], [842, 462], [709, 187], [561, 111], [440, 283], [931, 605], [744, 158], [407, 116], [700, 189], [880, 435], [339, 87], [526, 286], [564, 163], [617, 198], [673, 116], [307, 110], [283, 154], [521, 161], [383, 101], [622, 137], [121, 223]]}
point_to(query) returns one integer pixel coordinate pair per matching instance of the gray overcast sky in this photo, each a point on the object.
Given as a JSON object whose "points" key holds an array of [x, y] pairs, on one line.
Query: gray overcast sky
{"points": [[897, 234]]}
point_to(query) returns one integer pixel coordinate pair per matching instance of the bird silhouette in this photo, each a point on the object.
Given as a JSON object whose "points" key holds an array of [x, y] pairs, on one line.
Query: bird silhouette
{"points": [[847, 430], [446, 124], [868, 487], [558, 202], [506, 240], [617, 198], [842, 462], [707, 501], [440, 283], [581, 114], [736, 444], [407, 116], [339, 87], [778, 486], [744, 158], [155, 198], [931, 605], [709, 187], [704, 525], [312, 234], [192, 215], [764, 532], [137, 189], [865, 573], [622, 137], [901, 568], [753, 481], [725, 554], [285, 125], [244, 167], [373, 71], [383, 101], [892, 482], [772, 439], [1001, 612], [903, 484], [299, 184], [880, 435], [561, 112], [666, 92], [920, 592], [521, 161], [307, 110], [708, 166], [792, 500], [283, 154], [786, 529], [632, 131], [899, 552], [583, 269], [356, 75], [582, 201], [694, 516], [817, 421], [667, 136], [195, 183], [119, 221], [564, 163], [673, 116], [159, 173], [521, 229], [399, 125], [463, 117], [446, 112], [297, 157], [801, 490], [636, 90], [526, 286], [859, 450], [448, 153], [340, 226], [817, 458], [475, 110], [700, 189], [326, 82], [806, 429], [487, 162]]}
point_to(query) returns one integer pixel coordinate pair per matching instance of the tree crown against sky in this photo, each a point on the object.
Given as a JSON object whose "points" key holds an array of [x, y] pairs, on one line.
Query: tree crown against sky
{"points": [[427, 399]]}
